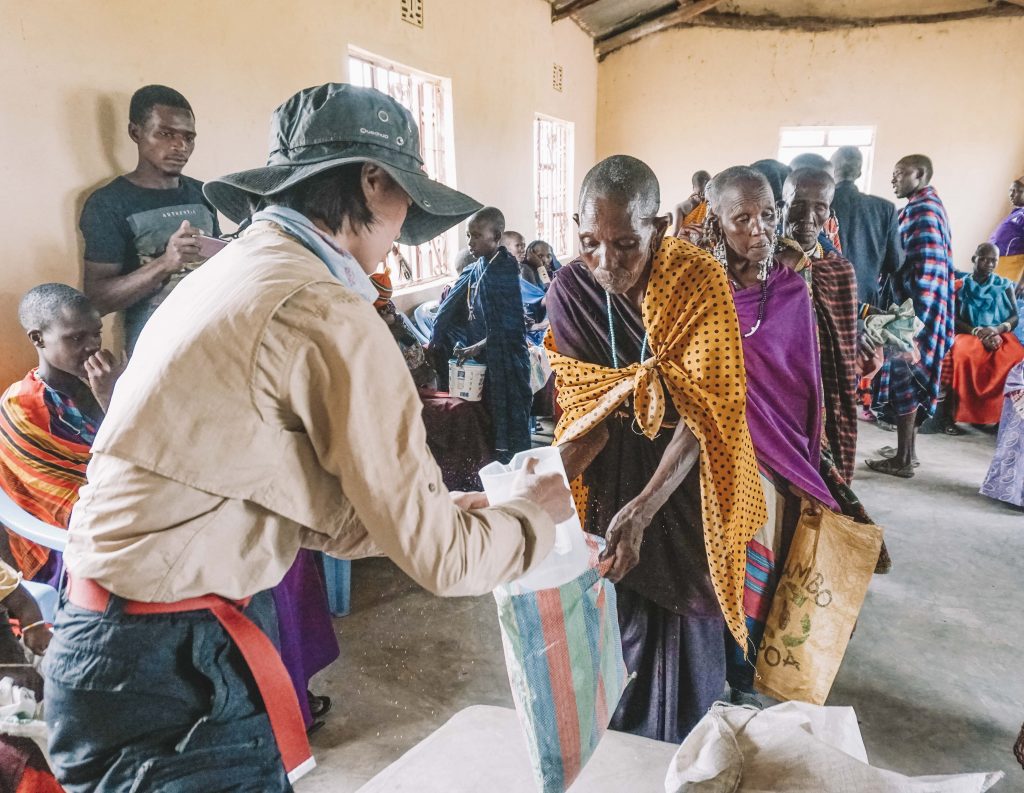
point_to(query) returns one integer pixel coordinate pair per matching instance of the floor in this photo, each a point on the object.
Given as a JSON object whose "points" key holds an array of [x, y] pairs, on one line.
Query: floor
{"points": [[934, 670]]}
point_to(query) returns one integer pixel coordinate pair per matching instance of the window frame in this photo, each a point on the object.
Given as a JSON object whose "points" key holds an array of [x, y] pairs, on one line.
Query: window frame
{"points": [[568, 161], [431, 261], [827, 148]]}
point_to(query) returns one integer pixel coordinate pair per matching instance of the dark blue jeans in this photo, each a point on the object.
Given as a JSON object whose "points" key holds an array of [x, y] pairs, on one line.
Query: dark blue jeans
{"points": [[157, 703]]}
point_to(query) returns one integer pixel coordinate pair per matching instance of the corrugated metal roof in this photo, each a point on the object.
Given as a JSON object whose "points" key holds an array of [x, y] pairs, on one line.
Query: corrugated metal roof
{"points": [[604, 20]]}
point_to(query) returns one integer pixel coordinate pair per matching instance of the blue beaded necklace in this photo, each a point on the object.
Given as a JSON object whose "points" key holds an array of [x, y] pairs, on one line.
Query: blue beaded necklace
{"points": [[611, 334]]}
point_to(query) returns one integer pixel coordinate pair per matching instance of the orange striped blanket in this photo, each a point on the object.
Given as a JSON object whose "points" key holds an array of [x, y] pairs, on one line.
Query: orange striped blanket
{"points": [[45, 445]]}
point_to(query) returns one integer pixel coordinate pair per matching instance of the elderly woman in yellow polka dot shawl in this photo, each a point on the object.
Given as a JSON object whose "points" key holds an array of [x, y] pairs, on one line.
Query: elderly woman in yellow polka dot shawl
{"points": [[646, 348]]}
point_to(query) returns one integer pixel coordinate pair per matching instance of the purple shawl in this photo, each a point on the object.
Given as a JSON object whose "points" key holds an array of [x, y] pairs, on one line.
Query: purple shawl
{"points": [[1009, 235], [784, 397]]}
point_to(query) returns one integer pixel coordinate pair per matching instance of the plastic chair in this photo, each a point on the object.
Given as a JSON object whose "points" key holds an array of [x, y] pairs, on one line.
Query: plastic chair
{"points": [[31, 528]]}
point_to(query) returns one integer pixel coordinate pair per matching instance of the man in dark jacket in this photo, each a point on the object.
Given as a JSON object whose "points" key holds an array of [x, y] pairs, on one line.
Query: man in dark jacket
{"points": [[867, 228]]}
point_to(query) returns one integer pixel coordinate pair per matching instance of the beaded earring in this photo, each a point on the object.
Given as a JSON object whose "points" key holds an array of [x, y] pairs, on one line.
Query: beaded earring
{"points": [[766, 263], [715, 241]]}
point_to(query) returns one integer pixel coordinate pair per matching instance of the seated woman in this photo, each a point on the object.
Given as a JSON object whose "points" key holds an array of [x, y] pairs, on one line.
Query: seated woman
{"points": [[1005, 478], [482, 318], [405, 334], [985, 348], [1009, 236], [536, 273], [539, 265]]}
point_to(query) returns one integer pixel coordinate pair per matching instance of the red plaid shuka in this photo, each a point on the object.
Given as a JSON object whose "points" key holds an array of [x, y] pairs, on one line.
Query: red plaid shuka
{"points": [[834, 292], [924, 230]]}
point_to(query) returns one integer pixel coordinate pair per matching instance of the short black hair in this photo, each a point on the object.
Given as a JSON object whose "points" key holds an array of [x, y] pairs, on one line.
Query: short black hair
{"points": [[848, 162], [811, 175], [493, 217], [809, 160], [332, 197], [775, 172], [921, 163], [626, 179], [149, 96], [736, 176], [42, 304]]}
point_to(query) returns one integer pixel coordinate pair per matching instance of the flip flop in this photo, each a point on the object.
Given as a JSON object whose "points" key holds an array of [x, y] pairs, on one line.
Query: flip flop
{"points": [[318, 705], [889, 467], [888, 452]]}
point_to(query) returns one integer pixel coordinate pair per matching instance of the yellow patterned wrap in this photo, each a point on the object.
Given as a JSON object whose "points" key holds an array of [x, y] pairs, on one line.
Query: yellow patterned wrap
{"points": [[697, 358]]}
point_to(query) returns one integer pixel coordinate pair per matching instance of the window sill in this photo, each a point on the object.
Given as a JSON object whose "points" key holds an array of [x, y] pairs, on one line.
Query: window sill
{"points": [[406, 298]]}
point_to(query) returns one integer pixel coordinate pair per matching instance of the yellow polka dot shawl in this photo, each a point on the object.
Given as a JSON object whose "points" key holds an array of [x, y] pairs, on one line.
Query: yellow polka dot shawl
{"points": [[697, 357]]}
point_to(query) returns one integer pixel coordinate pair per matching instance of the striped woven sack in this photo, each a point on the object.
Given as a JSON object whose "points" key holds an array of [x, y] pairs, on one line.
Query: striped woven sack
{"points": [[563, 651]]}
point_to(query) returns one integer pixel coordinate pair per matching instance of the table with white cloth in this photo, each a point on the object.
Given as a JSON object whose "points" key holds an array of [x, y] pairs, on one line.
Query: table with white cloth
{"points": [[482, 748]]}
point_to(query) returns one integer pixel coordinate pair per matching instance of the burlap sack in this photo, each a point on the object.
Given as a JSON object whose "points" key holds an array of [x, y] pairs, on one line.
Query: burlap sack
{"points": [[815, 607]]}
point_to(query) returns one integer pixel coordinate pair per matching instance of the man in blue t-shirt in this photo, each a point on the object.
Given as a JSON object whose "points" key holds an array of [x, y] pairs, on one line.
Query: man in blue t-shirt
{"points": [[141, 230]]}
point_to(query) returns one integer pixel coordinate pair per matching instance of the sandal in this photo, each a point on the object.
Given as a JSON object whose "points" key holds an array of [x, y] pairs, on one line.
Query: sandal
{"points": [[318, 706], [891, 468], [884, 563], [951, 429], [888, 452]]}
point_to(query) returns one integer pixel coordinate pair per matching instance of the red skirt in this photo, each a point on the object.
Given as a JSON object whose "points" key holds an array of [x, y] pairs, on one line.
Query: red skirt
{"points": [[979, 376]]}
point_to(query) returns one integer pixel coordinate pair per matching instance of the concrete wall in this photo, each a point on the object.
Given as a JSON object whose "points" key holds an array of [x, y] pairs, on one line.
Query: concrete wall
{"points": [[70, 67], [703, 98]]}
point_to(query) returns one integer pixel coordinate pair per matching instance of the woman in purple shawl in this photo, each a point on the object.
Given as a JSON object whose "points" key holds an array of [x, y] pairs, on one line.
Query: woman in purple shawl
{"points": [[784, 392], [306, 635]]}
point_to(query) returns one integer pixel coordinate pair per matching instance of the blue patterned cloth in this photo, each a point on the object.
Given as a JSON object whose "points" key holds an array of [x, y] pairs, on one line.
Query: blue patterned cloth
{"points": [[486, 302]]}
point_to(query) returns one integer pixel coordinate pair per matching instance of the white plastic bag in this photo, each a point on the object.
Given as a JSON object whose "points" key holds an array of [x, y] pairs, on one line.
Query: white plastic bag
{"points": [[795, 747], [570, 556]]}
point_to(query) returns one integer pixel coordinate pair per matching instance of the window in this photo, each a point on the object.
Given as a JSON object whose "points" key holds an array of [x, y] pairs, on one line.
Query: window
{"points": [[552, 182], [825, 141], [430, 100]]}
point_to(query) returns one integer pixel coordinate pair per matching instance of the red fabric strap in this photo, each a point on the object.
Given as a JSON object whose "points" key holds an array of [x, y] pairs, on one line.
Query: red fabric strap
{"points": [[260, 654]]}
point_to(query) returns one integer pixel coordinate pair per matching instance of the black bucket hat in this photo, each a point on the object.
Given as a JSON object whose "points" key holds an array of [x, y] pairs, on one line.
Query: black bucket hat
{"points": [[336, 124]]}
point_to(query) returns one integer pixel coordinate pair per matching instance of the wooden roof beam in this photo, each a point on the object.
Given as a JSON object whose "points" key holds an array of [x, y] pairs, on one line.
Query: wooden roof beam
{"points": [[572, 7], [680, 16]]}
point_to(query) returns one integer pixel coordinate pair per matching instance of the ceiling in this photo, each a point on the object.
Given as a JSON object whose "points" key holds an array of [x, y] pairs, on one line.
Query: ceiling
{"points": [[614, 24]]}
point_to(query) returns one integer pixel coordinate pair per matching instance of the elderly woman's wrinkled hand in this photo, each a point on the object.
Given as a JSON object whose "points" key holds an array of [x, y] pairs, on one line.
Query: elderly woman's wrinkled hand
{"points": [[625, 534]]}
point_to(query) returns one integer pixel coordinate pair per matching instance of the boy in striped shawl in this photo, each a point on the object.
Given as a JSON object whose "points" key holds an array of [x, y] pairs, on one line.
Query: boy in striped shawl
{"points": [[48, 419], [907, 390]]}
